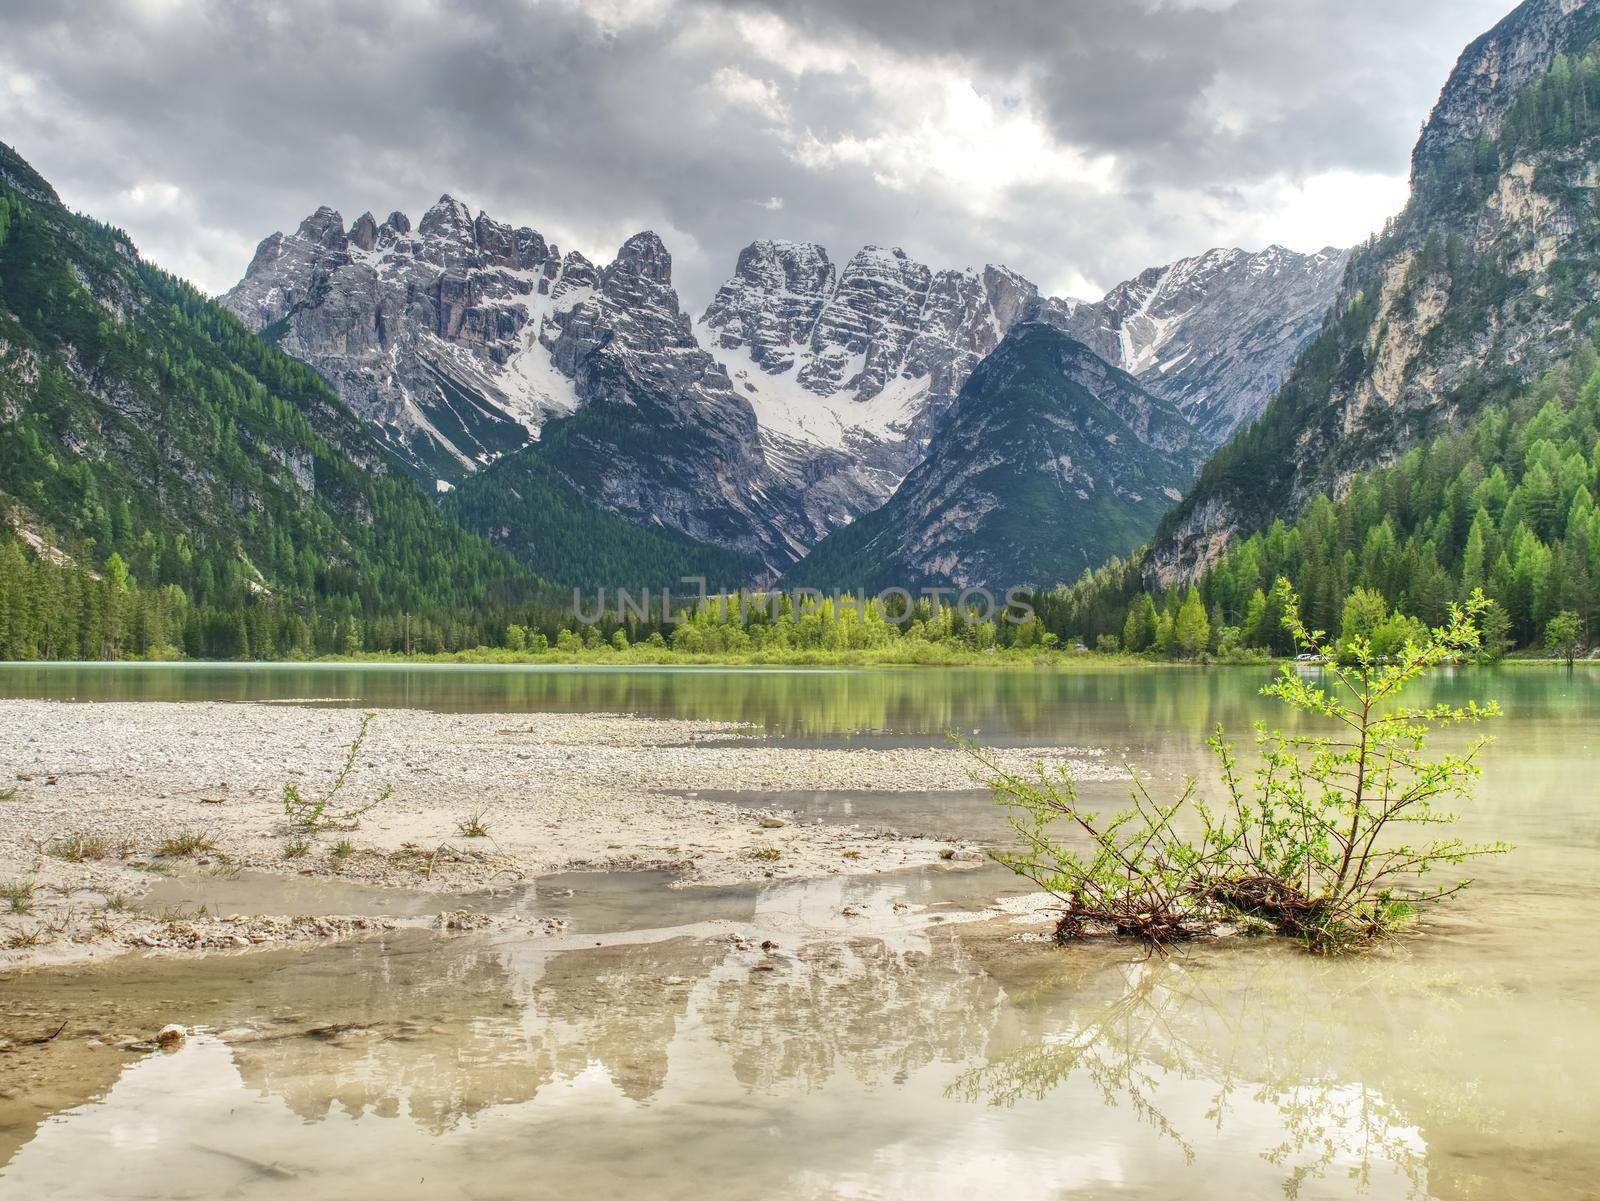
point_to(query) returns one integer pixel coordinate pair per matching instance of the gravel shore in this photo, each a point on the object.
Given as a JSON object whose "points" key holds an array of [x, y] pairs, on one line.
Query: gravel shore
{"points": [[555, 792]]}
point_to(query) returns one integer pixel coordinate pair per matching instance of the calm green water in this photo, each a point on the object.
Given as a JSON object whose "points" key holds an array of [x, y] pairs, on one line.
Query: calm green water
{"points": [[907, 705], [889, 1058]]}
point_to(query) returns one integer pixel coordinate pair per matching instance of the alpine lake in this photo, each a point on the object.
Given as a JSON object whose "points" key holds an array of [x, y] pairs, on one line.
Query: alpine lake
{"points": [[935, 1056]]}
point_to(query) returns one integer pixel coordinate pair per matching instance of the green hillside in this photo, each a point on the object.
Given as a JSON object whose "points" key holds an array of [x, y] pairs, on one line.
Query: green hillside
{"points": [[523, 505], [1506, 504], [140, 420]]}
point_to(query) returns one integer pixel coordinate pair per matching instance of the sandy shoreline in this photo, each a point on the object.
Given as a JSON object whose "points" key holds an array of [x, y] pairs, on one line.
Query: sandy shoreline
{"points": [[556, 791]]}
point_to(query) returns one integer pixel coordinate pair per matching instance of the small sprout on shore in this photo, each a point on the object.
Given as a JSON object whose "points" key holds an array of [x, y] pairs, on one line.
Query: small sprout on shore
{"points": [[473, 827], [766, 854], [186, 842], [7, 793], [343, 849], [22, 939], [75, 848], [117, 903], [18, 895], [296, 848], [321, 813]]}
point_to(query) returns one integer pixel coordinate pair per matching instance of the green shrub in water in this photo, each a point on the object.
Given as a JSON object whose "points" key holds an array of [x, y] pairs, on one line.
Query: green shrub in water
{"points": [[1330, 839]]}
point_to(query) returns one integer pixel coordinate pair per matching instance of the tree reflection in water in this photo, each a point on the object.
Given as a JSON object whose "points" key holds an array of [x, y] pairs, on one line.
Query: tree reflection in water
{"points": [[1172, 1024]]}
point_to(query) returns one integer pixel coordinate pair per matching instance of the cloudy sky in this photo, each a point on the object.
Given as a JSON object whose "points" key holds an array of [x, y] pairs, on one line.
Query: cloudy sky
{"points": [[1077, 141]]}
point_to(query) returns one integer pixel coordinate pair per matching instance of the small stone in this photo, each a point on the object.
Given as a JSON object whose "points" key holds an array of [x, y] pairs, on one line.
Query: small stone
{"points": [[171, 1035], [768, 944], [773, 823]]}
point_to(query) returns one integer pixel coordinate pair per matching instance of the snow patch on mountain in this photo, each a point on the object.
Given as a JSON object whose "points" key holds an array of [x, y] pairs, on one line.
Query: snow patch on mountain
{"points": [[439, 336], [1215, 333]]}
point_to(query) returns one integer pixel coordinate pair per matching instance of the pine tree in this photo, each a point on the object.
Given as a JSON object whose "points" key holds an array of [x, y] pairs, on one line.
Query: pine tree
{"points": [[1192, 629]]}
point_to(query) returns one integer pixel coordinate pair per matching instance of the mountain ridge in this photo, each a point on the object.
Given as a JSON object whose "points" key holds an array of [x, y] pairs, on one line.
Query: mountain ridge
{"points": [[1049, 461], [797, 401]]}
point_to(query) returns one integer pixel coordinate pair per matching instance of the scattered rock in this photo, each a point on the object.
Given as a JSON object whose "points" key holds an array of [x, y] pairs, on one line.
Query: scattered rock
{"points": [[463, 919], [773, 823], [232, 933], [170, 1036]]}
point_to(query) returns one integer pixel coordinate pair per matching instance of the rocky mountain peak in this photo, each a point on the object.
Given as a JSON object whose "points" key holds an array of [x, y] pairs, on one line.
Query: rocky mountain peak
{"points": [[364, 232], [643, 255], [1493, 70], [642, 306], [325, 228], [798, 267], [447, 216], [520, 249], [577, 271], [1216, 332]]}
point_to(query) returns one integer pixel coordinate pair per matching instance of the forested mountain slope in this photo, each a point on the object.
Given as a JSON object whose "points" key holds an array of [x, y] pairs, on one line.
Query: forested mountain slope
{"points": [[1487, 277], [1506, 504], [1049, 460], [141, 420]]}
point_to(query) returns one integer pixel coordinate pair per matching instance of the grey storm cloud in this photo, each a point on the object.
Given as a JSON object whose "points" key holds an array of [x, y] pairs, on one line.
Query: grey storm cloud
{"points": [[1321, 83], [1079, 141]]}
